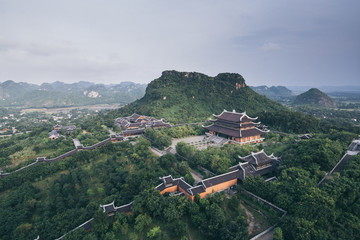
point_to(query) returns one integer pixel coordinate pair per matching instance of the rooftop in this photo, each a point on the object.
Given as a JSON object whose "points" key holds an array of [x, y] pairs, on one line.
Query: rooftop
{"points": [[234, 116]]}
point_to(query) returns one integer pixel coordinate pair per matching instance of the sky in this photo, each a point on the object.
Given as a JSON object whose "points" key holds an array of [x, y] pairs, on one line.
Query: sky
{"points": [[278, 42]]}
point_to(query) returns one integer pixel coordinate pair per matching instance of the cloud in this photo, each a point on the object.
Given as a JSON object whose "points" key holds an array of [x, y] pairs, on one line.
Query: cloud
{"points": [[270, 46], [204, 36]]}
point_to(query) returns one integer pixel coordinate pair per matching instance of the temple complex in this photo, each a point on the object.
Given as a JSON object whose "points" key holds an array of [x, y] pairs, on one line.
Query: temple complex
{"points": [[136, 124], [237, 127], [111, 208], [254, 164]]}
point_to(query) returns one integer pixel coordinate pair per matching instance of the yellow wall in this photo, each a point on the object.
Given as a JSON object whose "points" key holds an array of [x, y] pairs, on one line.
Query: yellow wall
{"points": [[170, 189], [221, 186], [191, 198], [209, 190]]}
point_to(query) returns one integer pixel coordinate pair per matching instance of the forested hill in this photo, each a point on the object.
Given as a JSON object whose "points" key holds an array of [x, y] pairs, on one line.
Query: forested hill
{"points": [[274, 92], [314, 97], [59, 94], [191, 96]]}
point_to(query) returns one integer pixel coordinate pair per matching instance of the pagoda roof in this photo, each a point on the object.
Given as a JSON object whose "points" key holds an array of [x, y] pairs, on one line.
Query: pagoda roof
{"points": [[249, 169], [167, 180], [134, 117], [125, 208], [160, 123], [234, 116], [108, 207], [160, 187], [135, 124], [235, 132], [220, 178], [250, 124], [228, 124], [259, 158], [196, 190], [53, 133], [184, 185], [252, 132], [134, 131], [69, 128], [181, 183], [224, 130]]}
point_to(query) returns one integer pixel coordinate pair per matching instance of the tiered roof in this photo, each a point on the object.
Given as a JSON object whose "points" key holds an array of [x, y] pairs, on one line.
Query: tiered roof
{"points": [[169, 181], [235, 124], [134, 117], [54, 133], [136, 121], [110, 208], [259, 158], [220, 179], [234, 117], [256, 164]]}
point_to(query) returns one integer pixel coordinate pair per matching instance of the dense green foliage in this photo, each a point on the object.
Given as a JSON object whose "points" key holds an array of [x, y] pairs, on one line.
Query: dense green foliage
{"points": [[347, 118], [158, 139], [297, 122], [60, 94], [73, 193], [314, 97], [161, 137], [191, 97], [216, 159], [51, 199], [160, 217], [329, 212], [288, 121]]}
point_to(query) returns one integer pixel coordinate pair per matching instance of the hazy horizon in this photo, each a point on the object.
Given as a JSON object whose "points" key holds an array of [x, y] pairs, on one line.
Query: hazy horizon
{"points": [[293, 88], [304, 43]]}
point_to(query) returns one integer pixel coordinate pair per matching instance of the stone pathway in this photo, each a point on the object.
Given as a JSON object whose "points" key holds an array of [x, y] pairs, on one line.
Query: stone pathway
{"points": [[197, 176]]}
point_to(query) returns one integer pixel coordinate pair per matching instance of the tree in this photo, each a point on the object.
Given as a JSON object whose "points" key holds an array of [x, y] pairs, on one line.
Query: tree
{"points": [[100, 222], [167, 161], [142, 221], [235, 230], [278, 235], [22, 231], [154, 233], [185, 150]]}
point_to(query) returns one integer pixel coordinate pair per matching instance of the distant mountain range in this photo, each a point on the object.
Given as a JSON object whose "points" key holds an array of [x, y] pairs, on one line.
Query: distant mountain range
{"points": [[191, 96], [59, 94], [314, 97], [327, 89], [274, 92]]}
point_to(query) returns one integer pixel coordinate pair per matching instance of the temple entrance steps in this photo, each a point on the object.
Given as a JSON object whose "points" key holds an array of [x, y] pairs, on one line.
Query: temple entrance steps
{"points": [[224, 141], [217, 140]]}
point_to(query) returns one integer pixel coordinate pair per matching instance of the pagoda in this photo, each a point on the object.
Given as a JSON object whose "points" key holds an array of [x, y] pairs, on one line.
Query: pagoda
{"points": [[237, 127]]}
